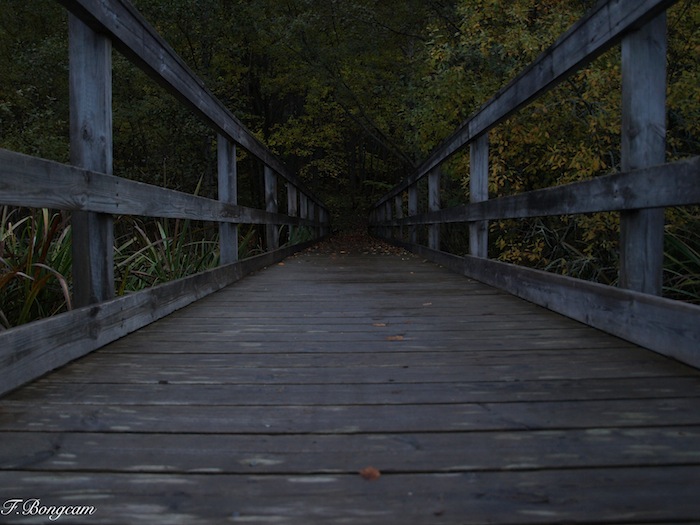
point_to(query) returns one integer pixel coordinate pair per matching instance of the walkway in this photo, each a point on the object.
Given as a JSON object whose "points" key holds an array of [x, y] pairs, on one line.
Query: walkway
{"points": [[265, 401]]}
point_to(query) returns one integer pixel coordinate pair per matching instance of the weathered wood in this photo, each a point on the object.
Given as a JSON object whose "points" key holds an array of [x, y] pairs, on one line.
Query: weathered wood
{"points": [[413, 210], [354, 419], [292, 205], [652, 495], [132, 35], [228, 194], [398, 212], [91, 148], [164, 427], [434, 205], [29, 351], [34, 182], [673, 184], [478, 192], [324, 454], [643, 145], [603, 27], [665, 326], [54, 391], [272, 233]]}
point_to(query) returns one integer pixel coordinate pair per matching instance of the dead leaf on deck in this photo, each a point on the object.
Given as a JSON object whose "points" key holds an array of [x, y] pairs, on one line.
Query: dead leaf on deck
{"points": [[395, 338], [379, 324], [370, 473]]}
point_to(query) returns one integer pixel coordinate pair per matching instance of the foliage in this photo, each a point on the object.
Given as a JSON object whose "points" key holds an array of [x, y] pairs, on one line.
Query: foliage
{"points": [[570, 134], [35, 265], [154, 252], [682, 255]]}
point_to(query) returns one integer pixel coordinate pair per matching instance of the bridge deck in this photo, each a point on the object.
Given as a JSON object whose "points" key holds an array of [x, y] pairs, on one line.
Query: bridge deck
{"points": [[263, 402]]}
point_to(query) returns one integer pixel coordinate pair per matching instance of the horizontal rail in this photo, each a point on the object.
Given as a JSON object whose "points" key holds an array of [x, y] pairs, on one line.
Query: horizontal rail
{"points": [[94, 195], [31, 350], [34, 182], [134, 37], [594, 34], [669, 327], [674, 184], [634, 310]]}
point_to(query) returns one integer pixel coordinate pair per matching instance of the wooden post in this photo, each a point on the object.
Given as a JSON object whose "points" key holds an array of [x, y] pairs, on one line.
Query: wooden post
{"points": [[479, 191], [303, 206], [228, 192], [292, 205], [398, 210], [91, 148], [312, 215], [323, 218], [413, 210], [388, 232], [643, 145], [272, 232], [434, 205]]}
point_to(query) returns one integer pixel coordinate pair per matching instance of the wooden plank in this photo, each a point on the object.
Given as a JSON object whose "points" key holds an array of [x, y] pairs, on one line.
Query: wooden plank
{"points": [[90, 77], [29, 351], [354, 419], [536, 497], [399, 374], [604, 26], [132, 35], [674, 184], [52, 390], [423, 453], [662, 325], [34, 182]]}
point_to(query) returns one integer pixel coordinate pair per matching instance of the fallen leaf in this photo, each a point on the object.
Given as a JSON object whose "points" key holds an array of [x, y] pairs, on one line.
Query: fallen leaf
{"points": [[370, 473], [379, 324], [280, 264], [395, 338]]}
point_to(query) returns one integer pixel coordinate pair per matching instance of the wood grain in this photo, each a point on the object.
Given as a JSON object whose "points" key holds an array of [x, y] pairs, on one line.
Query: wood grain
{"points": [[242, 407]]}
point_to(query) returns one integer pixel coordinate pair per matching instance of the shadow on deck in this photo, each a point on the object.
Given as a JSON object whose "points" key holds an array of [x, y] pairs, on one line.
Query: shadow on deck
{"points": [[264, 401]]}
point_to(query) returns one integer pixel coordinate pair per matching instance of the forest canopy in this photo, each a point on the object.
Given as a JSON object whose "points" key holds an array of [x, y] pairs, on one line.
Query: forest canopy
{"points": [[351, 94]]}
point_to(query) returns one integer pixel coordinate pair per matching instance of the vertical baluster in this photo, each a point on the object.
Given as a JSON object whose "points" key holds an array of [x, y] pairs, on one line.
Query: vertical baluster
{"points": [[413, 210], [271, 205], [479, 191], [434, 205], [91, 148], [228, 193], [292, 206], [643, 145], [398, 211]]}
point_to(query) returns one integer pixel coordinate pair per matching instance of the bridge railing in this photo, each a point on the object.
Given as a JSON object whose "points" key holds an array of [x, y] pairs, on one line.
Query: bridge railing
{"points": [[94, 195], [640, 192]]}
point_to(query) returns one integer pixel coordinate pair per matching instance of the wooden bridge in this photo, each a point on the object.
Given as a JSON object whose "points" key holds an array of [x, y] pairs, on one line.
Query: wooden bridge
{"points": [[325, 382]]}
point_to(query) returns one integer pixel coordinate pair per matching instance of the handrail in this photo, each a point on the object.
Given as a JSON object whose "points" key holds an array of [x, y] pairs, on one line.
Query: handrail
{"points": [[94, 195], [640, 192]]}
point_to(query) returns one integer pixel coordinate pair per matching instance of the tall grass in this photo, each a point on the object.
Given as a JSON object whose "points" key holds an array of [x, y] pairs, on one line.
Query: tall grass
{"points": [[35, 265], [682, 256], [147, 253]]}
